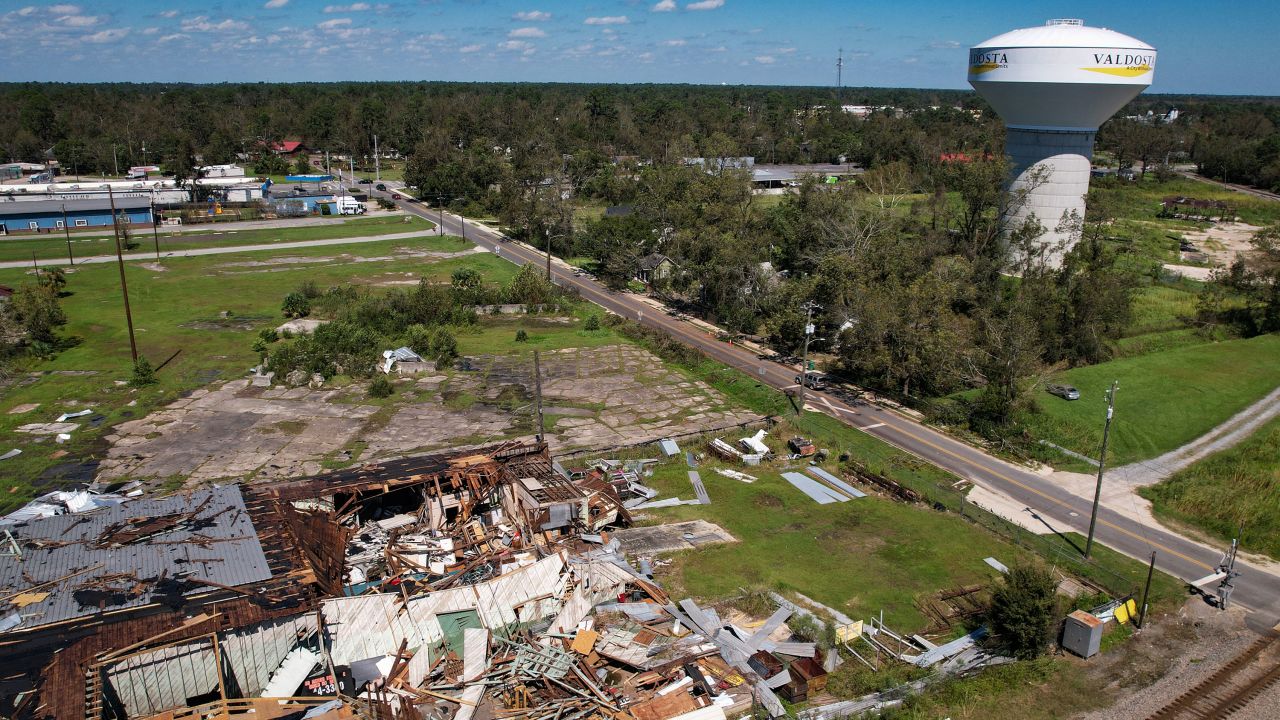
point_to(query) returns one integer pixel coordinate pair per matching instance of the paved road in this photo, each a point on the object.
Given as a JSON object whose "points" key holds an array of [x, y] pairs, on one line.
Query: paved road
{"points": [[1182, 558], [1231, 186], [231, 249]]}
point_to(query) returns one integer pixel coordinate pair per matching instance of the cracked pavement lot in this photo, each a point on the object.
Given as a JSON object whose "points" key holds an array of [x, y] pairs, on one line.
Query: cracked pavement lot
{"points": [[593, 398]]}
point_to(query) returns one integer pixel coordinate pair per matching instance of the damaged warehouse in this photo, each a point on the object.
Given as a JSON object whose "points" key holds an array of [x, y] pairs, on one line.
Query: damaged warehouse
{"points": [[469, 585]]}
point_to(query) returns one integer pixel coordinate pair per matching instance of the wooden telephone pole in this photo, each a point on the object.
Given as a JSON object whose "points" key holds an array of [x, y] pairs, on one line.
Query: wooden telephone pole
{"points": [[124, 286]]}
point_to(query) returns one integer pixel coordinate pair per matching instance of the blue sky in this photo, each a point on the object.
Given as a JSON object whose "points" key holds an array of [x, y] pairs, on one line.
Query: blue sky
{"points": [[1204, 47]]}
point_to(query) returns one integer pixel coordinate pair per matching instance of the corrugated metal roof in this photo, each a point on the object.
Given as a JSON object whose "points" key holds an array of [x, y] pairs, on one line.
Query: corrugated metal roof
{"points": [[92, 568]]}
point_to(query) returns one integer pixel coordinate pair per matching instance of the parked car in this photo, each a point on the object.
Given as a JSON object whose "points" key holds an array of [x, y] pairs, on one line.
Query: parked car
{"points": [[365, 181], [813, 380], [1066, 392], [380, 187]]}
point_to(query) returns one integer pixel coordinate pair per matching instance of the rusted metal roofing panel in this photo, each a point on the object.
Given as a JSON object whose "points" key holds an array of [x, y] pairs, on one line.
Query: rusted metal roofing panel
{"points": [[134, 554]]}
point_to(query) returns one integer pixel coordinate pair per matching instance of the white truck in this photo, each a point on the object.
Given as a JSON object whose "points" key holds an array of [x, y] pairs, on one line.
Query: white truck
{"points": [[349, 206]]}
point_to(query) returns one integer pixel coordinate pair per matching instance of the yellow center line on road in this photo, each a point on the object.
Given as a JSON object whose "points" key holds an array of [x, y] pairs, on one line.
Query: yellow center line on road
{"points": [[679, 329], [1046, 496]]}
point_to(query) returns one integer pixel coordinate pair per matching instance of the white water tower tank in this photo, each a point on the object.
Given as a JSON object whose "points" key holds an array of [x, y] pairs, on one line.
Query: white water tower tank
{"points": [[1054, 85]]}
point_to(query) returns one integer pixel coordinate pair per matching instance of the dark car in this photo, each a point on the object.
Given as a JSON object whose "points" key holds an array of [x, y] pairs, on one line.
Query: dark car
{"points": [[365, 181], [1066, 392], [380, 187], [813, 380]]}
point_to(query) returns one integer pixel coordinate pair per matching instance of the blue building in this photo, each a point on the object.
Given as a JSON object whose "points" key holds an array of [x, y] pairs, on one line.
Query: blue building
{"points": [[50, 215]]}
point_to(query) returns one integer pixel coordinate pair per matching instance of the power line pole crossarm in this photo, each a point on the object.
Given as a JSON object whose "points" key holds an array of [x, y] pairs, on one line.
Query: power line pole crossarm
{"points": [[1102, 462]]}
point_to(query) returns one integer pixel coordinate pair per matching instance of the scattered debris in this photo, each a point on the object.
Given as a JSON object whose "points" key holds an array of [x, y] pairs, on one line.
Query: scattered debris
{"points": [[735, 475], [81, 413]]}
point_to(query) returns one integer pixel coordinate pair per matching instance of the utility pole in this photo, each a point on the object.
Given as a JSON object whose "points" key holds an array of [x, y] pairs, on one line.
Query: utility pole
{"points": [[1142, 611], [377, 168], [155, 225], [1102, 462], [114, 161], [804, 356], [124, 287], [67, 232], [548, 231], [537, 387]]}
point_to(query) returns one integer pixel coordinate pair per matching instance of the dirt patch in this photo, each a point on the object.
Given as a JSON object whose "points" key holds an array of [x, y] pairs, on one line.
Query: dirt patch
{"points": [[1222, 243], [765, 500], [236, 322], [237, 430]]}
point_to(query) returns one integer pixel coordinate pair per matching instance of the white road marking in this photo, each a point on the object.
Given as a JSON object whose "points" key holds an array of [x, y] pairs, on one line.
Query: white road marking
{"points": [[871, 427]]}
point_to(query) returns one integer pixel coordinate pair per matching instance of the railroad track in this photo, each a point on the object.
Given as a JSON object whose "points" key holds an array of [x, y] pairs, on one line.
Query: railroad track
{"points": [[1232, 687]]}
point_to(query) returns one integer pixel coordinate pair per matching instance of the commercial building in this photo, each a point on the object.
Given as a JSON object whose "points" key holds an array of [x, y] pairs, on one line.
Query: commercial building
{"points": [[54, 214]]}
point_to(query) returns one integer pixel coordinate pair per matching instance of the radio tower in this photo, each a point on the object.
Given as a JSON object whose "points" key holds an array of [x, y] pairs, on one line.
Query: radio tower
{"points": [[839, 74]]}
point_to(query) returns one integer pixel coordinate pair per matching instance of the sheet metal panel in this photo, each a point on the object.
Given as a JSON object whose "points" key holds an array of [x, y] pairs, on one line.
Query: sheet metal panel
{"points": [[820, 493], [839, 484], [254, 652], [231, 553], [165, 678]]}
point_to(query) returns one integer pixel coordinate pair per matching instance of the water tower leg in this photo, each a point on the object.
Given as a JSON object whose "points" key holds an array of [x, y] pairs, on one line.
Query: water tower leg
{"points": [[1050, 179]]}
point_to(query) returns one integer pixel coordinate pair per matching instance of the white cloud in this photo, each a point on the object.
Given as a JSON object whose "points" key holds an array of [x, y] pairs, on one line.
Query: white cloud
{"points": [[674, 43], [334, 23], [27, 11], [766, 59], [944, 45], [64, 9], [786, 51], [171, 38], [705, 5], [174, 13], [515, 45], [664, 6], [150, 31], [271, 5], [106, 36], [527, 32], [353, 7], [531, 16], [78, 20], [607, 20], [470, 48], [201, 23]]}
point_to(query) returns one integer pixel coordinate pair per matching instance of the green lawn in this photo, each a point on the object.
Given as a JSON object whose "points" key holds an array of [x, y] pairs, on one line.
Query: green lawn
{"points": [[1218, 493], [54, 247], [1166, 399], [176, 313], [864, 555]]}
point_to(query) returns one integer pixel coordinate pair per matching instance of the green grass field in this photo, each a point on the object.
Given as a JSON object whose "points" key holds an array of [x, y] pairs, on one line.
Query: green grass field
{"points": [[54, 247], [1166, 399], [1224, 490], [176, 315]]}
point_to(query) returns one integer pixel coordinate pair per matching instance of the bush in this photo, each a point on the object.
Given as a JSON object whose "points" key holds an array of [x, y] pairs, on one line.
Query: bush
{"points": [[268, 335], [592, 324], [522, 336], [296, 305], [443, 348], [381, 387], [143, 373], [309, 289], [1024, 608]]}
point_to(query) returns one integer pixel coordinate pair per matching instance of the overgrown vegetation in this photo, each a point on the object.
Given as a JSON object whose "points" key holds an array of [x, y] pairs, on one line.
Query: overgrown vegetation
{"points": [[1024, 610], [1231, 489], [362, 323]]}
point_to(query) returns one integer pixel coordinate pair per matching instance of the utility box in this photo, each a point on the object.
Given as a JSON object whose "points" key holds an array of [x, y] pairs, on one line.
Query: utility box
{"points": [[1082, 634]]}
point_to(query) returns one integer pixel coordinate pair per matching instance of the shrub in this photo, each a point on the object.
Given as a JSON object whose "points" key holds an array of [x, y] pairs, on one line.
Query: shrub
{"points": [[309, 289], [443, 348], [143, 373], [381, 387], [259, 346], [592, 324], [296, 305], [268, 335], [1024, 607], [522, 336]]}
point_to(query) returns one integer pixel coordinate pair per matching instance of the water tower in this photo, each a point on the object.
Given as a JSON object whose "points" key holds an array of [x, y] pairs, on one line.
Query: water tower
{"points": [[1054, 85]]}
